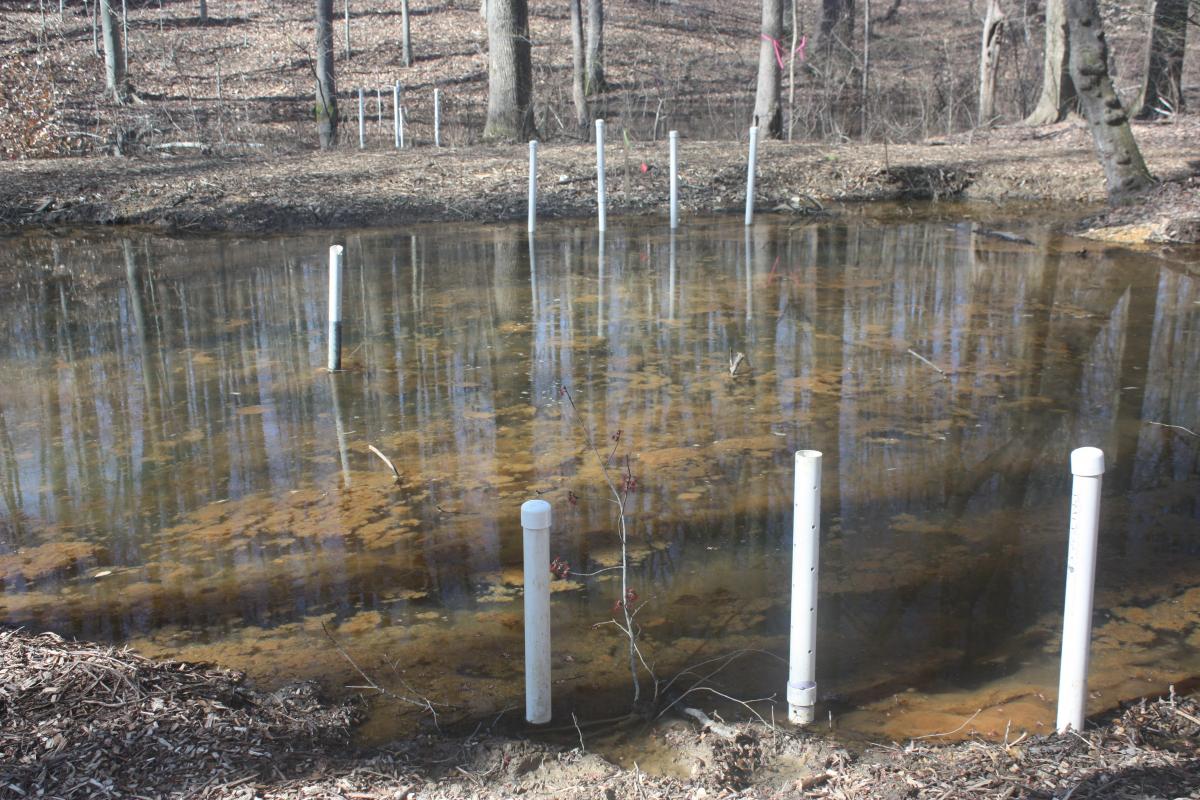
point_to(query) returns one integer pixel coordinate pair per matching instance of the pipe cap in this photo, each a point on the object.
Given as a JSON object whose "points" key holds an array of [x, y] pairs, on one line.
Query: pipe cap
{"points": [[1087, 462], [535, 515]]}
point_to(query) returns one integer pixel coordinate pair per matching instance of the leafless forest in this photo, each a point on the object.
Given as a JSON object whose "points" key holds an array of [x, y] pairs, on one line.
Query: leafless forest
{"points": [[242, 77]]}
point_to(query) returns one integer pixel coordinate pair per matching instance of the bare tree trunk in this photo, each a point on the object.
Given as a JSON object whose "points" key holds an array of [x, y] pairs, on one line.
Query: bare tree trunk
{"points": [[768, 115], [866, 71], [1058, 90], [989, 60], [346, 7], [578, 63], [203, 11], [114, 56], [406, 44], [510, 73], [327, 113], [1163, 87], [594, 69], [1124, 170]]}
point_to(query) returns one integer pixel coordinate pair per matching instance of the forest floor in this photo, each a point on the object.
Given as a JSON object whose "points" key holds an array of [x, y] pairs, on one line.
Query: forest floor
{"points": [[219, 135], [82, 720], [383, 188]]}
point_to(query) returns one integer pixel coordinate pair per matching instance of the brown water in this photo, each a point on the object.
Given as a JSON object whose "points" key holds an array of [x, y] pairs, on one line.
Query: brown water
{"points": [[178, 471]]}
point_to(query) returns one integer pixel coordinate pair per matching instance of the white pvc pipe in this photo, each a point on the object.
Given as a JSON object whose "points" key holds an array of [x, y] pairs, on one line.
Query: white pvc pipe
{"points": [[533, 147], [671, 264], [1087, 467], [336, 255], [396, 125], [673, 136], [362, 122], [750, 170], [535, 520], [806, 535], [601, 199], [437, 117]]}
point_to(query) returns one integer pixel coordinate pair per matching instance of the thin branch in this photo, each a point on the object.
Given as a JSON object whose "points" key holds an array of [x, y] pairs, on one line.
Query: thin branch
{"points": [[386, 460]]}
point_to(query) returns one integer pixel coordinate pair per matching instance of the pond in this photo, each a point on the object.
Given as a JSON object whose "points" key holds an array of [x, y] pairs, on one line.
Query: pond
{"points": [[179, 472]]}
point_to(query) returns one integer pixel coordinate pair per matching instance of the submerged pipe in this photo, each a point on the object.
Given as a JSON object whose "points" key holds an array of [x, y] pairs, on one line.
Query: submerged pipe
{"points": [[1087, 467], [806, 535], [336, 256], [535, 522]]}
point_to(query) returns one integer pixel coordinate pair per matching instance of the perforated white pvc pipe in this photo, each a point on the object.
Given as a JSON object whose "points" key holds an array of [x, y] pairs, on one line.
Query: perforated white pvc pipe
{"points": [[336, 255], [535, 521], [533, 148], [396, 129], [437, 117], [806, 535], [362, 122], [601, 199], [1087, 467], [673, 137], [751, 167]]}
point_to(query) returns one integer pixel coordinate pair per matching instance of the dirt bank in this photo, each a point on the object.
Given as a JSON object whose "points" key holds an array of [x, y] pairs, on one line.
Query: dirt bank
{"points": [[79, 720], [386, 188]]}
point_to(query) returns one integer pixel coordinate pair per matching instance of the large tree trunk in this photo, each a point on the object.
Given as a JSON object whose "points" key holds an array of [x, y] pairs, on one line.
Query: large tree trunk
{"points": [[1124, 170], [594, 81], [510, 73], [406, 44], [1163, 87], [989, 61], [768, 114], [327, 113], [114, 54], [1058, 91], [578, 62]]}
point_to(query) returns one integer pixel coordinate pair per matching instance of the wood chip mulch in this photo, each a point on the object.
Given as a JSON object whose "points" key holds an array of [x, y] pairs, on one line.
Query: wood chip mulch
{"points": [[84, 720]]}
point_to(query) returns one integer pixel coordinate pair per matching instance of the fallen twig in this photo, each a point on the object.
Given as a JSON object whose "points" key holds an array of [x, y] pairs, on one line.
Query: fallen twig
{"points": [[386, 460], [1175, 427], [922, 358]]}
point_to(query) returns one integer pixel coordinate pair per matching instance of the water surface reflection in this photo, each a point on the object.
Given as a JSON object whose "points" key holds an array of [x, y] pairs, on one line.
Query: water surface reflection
{"points": [[178, 471]]}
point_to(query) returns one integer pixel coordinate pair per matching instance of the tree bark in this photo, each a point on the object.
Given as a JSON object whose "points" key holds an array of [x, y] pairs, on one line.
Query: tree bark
{"points": [[406, 44], [510, 73], [989, 60], [1058, 90], [578, 63], [114, 55], [1162, 90], [594, 69], [1124, 170], [326, 105], [768, 113]]}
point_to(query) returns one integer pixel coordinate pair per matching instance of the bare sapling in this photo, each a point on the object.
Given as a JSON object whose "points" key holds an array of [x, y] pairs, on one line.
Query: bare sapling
{"points": [[620, 483]]}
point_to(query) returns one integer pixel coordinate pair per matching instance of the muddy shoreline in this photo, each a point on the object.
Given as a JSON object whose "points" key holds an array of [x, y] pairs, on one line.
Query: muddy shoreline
{"points": [[384, 188], [80, 719]]}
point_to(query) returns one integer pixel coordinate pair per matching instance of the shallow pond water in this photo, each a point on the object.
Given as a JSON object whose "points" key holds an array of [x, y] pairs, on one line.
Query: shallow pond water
{"points": [[179, 472]]}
